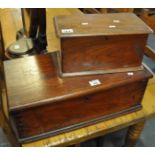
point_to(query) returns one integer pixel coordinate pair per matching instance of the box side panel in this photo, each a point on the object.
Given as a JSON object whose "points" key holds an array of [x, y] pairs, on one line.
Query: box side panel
{"points": [[39, 122], [80, 54]]}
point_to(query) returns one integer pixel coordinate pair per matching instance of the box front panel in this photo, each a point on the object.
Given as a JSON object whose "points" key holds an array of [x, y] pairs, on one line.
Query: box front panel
{"points": [[52, 119], [80, 54]]}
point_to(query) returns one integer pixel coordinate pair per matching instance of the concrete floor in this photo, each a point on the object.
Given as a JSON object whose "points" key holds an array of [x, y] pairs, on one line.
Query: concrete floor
{"points": [[146, 139], [3, 139]]}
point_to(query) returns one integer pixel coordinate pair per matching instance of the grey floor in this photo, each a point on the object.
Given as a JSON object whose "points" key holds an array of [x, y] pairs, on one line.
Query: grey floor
{"points": [[146, 139]]}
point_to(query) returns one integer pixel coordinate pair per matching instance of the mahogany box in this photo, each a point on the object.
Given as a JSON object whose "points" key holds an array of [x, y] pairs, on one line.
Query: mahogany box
{"points": [[41, 104], [100, 43]]}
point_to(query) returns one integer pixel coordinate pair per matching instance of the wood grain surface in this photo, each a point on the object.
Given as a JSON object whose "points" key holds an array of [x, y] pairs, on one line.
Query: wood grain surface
{"points": [[82, 54], [35, 82], [36, 93], [91, 131], [96, 48], [101, 24], [104, 127]]}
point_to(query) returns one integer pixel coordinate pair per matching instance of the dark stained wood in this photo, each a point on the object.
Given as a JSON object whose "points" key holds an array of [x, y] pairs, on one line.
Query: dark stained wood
{"points": [[63, 116], [42, 104], [100, 44], [102, 53], [98, 25], [33, 80]]}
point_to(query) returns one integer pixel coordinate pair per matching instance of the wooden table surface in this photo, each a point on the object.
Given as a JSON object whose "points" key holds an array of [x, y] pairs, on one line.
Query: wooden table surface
{"points": [[92, 131]]}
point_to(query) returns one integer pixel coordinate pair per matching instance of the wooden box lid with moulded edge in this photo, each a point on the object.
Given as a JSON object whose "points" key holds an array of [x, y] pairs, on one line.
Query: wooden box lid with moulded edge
{"points": [[100, 43]]}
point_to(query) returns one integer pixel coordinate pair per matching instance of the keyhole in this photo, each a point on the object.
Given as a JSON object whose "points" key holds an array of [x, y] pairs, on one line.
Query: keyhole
{"points": [[106, 38], [87, 98]]}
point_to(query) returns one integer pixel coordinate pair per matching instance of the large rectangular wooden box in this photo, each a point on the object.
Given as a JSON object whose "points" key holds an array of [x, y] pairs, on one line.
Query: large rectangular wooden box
{"points": [[41, 104], [100, 43]]}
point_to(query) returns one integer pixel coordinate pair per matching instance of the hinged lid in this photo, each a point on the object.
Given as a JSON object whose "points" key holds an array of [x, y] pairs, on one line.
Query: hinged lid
{"points": [[100, 24], [33, 81]]}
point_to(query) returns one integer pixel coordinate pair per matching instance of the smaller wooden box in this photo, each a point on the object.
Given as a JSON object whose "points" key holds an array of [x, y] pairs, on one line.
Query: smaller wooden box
{"points": [[41, 104], [100, 43]]}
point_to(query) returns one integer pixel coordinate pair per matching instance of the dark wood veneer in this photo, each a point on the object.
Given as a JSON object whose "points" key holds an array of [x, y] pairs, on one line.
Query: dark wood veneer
{"points": [[42, 104], [102, 53], [100, 44], [98, 25]]}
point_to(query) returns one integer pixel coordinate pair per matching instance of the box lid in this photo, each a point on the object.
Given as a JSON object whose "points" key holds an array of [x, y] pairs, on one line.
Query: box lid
{"points": [[33, 81], [100, 24]]}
